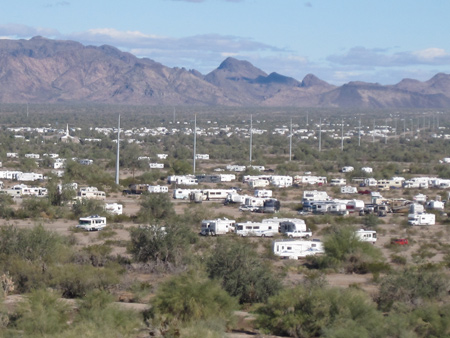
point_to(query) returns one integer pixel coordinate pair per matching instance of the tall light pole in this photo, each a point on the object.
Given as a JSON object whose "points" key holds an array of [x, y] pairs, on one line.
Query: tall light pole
{"points": [[320, 134], [342, 135], [195, 140], [118, 153], [290, 143], [251, 136]]}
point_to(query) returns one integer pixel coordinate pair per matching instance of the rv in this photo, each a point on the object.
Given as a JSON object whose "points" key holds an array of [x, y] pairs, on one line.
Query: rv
{"points": [[91, 193], [138, 188], [252, 203], [234, 197], [281, 181], [315, 195], [289, 225], [270, 205], [256, 229], [156, 165], [217, 194], [338, 181], [416, 208], [421, 219], [114, 208], [263, 193], [183, 194], [347, 169], [156, 189], [355, 205], [294, 249], [217, 227], [91, 223], [309, 180], [258, 183], [435, 205], [367, 235], [367, 169], [348, 190]]}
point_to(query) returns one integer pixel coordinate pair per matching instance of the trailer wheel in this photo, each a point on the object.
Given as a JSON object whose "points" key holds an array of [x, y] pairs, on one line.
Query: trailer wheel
{"points": [[307, 236], [263, 235], [290, 236]]}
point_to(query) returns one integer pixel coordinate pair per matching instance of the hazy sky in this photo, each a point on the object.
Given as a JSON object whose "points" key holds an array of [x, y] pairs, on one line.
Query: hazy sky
{"points": [[339, 41]]}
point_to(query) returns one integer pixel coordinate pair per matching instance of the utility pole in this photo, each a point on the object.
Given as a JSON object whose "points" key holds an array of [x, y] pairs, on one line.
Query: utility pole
{"points": [[118, 153], [290, 144], [342, 135], [359, 133], [320, 135], [251, 136], [195, 139]]}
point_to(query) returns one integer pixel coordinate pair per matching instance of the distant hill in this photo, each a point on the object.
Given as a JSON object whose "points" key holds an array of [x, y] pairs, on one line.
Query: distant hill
{"points": [[42, 70]]}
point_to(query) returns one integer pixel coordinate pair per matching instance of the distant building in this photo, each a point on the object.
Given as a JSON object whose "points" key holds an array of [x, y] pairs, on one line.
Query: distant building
{"points": [[67, 138]]}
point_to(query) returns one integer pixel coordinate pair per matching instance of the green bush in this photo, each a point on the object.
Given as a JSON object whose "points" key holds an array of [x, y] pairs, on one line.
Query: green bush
{"points": [[191, 297], [317, 312], [155, 208], [242, 272]]}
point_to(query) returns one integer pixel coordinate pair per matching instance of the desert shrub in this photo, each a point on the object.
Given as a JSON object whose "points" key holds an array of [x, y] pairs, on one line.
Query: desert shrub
{"points": [[343, 249], [36, 244], [42, 314], [411, 285], [85, 207], [162, 245], [242, 272], [317, 311], [5, 206], [155, 208], [75, 281], [191, 297]]}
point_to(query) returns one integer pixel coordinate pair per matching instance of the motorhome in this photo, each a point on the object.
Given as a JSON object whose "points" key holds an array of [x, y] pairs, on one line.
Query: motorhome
{"points": [[256, 229], [270, 205], [217, 227], [346, 189], [315, 195], [355, 205], [234, 197], [183, 194], [435, 205], [252, 203], [347, 169], [416, 208], [421, 219], [91, 193], [295, 249], [114, 208], [29, 177], [156, 189], [307, 179], [258, 183], [281, 181], [263, 193], [288, 225], [182, 180], [92, 223], [367, 235], [367, 169], [138, 188], [156, 165], [216, 194], [338, 182], [330, 207]]}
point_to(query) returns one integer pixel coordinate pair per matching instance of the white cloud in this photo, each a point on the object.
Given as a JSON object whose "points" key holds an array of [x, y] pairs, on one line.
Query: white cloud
{"points": [[15, 31], [361, 56]]}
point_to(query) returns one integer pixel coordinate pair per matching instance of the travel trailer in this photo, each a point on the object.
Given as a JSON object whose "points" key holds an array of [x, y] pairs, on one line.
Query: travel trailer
{"points": [[367, 235], [92, 223], [114, 208], [295, 249], [217, 227]]}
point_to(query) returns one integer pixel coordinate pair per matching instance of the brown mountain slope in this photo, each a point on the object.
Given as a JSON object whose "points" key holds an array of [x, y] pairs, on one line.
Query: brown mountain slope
{"points": [[44, 70]]}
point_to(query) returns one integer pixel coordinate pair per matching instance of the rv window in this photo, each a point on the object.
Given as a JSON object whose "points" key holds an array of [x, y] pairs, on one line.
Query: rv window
{"points": [[248, 227], [313, 245], [240, 227], [256, 227], [289, 248], [270, 228]]}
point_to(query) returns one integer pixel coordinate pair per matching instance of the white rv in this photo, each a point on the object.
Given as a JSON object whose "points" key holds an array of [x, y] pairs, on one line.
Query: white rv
{"points": [[315, 195], [281, 181], [217, 227], [183, 194], [263, 193], [367, 235], [421, 219], [338, 182], [294, 249], [256, 229], [435, 205], [217, 194], [114, 208], [346, 189], [347, 169], [92, 223]]}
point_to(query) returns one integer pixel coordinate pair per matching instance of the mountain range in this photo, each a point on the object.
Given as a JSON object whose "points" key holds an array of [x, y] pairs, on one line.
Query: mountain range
{"points": [[41, 70]]}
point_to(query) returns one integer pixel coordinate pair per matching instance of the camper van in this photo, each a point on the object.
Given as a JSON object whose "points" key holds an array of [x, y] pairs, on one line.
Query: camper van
{"points": [[367, 235], [294, 249], [421, 219], [256, 229], [92, 223], [217, 227]]}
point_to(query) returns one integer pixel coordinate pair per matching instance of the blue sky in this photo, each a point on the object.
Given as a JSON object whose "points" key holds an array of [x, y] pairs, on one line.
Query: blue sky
{"points": [[338, 41]]}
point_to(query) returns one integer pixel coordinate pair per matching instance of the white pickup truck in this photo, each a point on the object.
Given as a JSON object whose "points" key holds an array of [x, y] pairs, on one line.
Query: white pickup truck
{"points": [[298, 234]]}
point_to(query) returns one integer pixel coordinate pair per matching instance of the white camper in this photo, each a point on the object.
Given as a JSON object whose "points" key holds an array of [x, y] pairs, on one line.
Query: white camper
{"points": [[367, 235], [217, 227], [256, 229], [315, 195], [347, 169], [435, 205], [421, 219], [348, 189], [183, 194], [114, 208], [92, 223], [263, 193], [294, 249], [338, 182]]}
